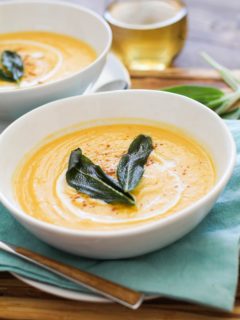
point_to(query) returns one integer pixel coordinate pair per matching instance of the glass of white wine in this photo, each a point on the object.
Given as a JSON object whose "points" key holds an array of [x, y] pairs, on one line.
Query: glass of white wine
{"points": [[147, 34]]}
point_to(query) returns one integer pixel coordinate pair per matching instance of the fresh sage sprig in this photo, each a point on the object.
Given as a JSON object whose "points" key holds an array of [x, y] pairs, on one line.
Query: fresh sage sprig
{"points": [[231, 115], [12, 68], [232, 81], [225, 73], [131, 166], [212, 97], [205, 95], [88, 178]]}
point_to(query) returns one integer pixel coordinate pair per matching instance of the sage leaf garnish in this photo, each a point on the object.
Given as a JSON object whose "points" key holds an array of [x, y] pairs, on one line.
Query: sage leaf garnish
{"points": [[88, 178], [131, 166], [12, 68]]}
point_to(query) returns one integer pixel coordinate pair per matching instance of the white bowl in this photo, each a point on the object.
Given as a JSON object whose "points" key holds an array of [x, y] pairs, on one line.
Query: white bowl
{"points": [[59, 17], [186, 114]]}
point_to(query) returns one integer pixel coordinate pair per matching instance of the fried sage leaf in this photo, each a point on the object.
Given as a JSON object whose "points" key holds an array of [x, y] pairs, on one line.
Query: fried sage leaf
{"points": [[88, 178], [131, 166], [12, 66]]}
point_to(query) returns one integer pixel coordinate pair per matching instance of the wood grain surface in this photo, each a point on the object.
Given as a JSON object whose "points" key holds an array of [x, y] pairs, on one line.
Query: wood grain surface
{"points": [[19, 301], [178, 76], [215, 28]]}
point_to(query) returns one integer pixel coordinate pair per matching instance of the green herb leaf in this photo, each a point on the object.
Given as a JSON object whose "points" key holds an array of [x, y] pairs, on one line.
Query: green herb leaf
{"points": [[88, 178], [209, 96], [232, 115], [225, 73], [212, 97], [131, 166], [75, 158], [12, 66], [230, 100], [5, 77]]}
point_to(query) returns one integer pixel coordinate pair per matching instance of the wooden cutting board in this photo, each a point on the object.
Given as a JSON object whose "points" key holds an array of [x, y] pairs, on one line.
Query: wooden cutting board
{"points": [[19, 301], [178, 76]]}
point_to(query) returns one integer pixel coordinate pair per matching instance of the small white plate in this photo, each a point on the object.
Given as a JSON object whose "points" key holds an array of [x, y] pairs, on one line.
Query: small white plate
{"points": [[67, 293], [113, 70], [60, 292]]}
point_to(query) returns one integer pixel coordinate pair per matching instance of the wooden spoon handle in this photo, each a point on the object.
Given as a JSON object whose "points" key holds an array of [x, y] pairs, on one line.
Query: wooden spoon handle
{"points": [[109, 289]]}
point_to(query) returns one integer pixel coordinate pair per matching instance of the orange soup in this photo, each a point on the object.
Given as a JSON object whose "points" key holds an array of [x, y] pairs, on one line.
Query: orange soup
{"points": [[46, 56], [178, 172]]}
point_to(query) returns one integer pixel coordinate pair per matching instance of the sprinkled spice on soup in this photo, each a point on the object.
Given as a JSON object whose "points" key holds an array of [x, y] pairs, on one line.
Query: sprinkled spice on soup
{"points": [[113, 176]]}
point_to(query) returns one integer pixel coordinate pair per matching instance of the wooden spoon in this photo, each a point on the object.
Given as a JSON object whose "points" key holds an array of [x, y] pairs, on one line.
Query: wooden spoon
{"points": [[115, 292]]}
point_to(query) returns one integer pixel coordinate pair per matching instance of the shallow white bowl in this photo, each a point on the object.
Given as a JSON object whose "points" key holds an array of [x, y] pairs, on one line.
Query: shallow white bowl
{"points": [[192, 117], [59, 17]]}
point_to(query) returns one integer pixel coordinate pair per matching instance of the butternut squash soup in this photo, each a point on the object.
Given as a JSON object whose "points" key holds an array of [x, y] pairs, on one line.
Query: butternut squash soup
{"points": [[40, 57], [113, 176]]}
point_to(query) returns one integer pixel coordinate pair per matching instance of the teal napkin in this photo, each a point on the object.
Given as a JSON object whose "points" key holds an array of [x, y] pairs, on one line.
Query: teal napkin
{"points": [[202, 267]]}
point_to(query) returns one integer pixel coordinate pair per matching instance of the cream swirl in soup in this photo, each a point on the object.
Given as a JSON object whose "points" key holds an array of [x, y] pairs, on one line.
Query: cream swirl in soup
{"points": [[178, 172], [46, 56]]}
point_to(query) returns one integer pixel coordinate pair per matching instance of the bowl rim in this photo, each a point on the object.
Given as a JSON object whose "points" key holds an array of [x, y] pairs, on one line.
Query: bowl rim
{"points": [[181, 14], [76, 74], [148, 226]]}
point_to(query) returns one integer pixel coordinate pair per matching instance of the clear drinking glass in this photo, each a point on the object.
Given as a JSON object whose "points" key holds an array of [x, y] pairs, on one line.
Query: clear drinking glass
{"points": [[147, 34]]}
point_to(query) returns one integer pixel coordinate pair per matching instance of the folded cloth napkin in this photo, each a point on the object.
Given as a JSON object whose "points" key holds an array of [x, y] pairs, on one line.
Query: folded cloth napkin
{"points": [[202, 267]]}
